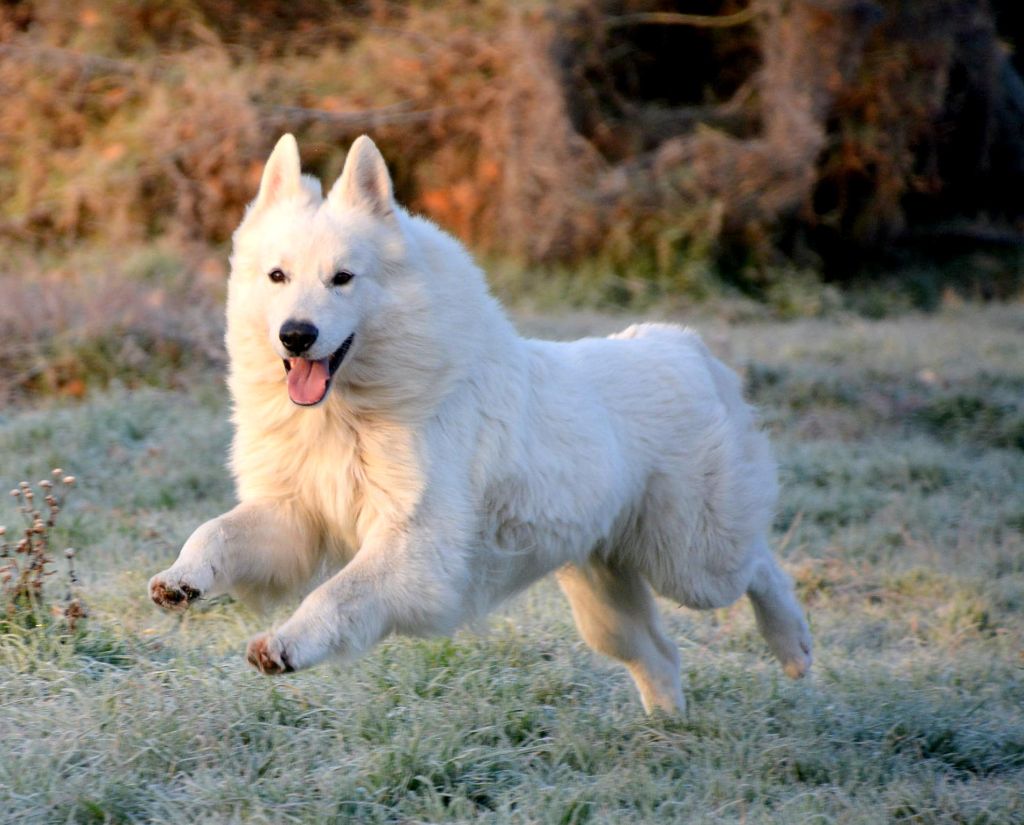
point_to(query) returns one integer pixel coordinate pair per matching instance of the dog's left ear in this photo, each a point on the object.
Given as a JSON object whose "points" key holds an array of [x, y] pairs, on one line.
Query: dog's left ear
{"points": [[364, 182]]}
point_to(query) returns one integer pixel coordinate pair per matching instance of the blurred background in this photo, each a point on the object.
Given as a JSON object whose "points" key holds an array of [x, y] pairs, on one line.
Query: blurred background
{"points": [[782, 157]]}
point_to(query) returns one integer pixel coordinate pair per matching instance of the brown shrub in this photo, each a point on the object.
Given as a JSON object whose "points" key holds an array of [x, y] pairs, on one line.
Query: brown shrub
{"points": [[548, 132]]}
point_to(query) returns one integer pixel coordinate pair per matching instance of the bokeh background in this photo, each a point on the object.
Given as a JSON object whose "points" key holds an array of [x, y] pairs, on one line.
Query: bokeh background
{"points": [[795, 156]]}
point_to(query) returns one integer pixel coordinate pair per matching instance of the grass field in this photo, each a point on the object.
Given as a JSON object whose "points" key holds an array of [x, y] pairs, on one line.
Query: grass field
{"points": [[901, 448]]}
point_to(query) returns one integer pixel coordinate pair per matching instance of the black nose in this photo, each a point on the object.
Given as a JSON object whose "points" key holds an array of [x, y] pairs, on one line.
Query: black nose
{"points": [[298, 336]]}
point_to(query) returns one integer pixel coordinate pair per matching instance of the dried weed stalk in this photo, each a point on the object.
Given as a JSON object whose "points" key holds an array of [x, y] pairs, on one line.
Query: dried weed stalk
{"points": [[26, 564]]}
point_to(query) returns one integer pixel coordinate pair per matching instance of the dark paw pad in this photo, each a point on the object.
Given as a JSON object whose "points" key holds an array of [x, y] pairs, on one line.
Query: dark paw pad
{"points": [[173, 597], [266, 658]]}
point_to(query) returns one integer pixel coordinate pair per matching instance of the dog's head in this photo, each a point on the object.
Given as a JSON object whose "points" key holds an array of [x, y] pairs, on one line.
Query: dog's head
{"points": [[308, 269]]}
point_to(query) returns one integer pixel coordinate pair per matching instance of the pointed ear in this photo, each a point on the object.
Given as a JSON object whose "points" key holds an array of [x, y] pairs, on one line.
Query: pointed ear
{"points": [[282, 176], [364, 182]]}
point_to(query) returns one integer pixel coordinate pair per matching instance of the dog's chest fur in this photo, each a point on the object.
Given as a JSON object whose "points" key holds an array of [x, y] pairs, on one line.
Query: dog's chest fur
{"points": [[346, 472]]}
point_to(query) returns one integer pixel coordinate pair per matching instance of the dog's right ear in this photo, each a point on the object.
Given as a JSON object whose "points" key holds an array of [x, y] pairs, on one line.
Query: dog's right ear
{"points": [[282, 176]]}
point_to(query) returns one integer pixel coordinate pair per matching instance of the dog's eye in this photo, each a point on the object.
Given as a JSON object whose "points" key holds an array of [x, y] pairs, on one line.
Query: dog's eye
{"points": [[341, 277], [277, 276]]}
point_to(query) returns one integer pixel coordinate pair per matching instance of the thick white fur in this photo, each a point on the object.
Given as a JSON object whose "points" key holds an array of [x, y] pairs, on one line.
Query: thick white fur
{"points": [[453, 463]]}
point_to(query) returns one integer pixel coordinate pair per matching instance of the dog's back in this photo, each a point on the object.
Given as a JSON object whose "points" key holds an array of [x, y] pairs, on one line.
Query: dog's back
{"points": [[639, 447]]}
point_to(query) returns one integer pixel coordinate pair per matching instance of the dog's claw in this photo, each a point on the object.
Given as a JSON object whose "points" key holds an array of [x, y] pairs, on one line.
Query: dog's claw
{"points": [[173, 597], [798, 667], [267, 656]]}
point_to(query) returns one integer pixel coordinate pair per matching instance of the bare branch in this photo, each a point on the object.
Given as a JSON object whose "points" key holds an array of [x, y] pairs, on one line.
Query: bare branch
{"points": [[668, 18], [399, 114], [92, 63]]}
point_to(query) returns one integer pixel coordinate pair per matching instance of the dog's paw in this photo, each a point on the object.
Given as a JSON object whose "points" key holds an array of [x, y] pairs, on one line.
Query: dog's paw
{"points": [[797, 664], [789, 639], [267, 655], [172, 593]]}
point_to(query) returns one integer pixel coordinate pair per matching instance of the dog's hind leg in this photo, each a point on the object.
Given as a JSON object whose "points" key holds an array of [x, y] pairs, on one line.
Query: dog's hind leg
{"points": [[616, 615], [779, 616]]}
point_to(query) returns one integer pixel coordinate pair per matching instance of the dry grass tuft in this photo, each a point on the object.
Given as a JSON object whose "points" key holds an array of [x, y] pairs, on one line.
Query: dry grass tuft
{"points": [[151, 317]]}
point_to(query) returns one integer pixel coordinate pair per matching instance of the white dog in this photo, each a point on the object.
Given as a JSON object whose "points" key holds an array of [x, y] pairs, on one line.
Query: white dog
{"points": [[390, 425]]}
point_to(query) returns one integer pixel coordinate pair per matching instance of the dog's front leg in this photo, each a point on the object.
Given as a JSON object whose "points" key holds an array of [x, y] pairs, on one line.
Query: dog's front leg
{"points": [[261, 547], [398, 583]]}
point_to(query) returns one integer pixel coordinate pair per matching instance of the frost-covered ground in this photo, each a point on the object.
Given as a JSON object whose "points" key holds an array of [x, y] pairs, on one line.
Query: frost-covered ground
{"points": [[901, 449]]}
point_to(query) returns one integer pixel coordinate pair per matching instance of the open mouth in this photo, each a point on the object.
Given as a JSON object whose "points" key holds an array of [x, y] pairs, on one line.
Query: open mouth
{"points": [[309, 381]]}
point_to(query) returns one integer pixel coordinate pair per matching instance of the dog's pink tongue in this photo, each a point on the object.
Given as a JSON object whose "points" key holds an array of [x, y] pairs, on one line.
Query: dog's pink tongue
{"points": [[307, 380]]}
